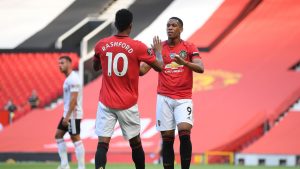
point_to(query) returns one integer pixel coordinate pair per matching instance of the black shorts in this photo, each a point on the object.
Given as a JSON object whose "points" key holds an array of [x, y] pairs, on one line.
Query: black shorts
{"points": [[73, 128]]}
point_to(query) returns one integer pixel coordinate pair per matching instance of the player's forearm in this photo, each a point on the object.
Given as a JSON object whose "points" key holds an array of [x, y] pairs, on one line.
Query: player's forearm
{"points": [[158, 64], [72, 106], [144, 68], [196, 67], [97, 65], [159, 56]]}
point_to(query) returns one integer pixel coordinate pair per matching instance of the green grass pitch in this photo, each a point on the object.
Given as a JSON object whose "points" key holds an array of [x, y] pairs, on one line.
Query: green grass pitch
{"points": [[34, 165]]}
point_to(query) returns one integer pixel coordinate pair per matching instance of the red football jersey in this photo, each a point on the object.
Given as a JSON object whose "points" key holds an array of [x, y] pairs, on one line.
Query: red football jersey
{"points": [[120, 59], [176, 81]]}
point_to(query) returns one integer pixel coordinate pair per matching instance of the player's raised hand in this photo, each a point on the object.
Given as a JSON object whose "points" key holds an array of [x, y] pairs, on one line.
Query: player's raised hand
{"points": [[156, 46], [179, 60]]}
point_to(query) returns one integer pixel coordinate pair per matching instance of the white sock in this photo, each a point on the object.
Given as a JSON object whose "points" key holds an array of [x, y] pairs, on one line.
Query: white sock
{"points": [[80, 154], [62, 151]]}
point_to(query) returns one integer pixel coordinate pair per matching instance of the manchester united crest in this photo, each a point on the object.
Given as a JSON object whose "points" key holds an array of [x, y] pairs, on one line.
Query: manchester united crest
{"points": [[183, 54]]}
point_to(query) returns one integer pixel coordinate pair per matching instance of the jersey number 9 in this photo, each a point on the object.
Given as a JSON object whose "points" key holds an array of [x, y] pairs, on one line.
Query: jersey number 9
{"points": [[113, 64]]}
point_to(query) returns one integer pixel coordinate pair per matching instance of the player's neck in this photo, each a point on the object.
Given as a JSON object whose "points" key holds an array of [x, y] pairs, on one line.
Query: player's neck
{"points": [[174, 42], [124, 33], [68, 72]]}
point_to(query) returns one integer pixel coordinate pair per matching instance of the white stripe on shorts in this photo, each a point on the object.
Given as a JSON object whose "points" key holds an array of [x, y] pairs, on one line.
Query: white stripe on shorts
{"points": [[73, 126]]}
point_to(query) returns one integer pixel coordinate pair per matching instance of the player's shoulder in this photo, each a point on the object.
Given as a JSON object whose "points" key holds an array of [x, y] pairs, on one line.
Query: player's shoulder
{"points": [[191, 48], [138, 45], [138, 42], [73, 77], [104, 40], [188, 44], [164, 43]]}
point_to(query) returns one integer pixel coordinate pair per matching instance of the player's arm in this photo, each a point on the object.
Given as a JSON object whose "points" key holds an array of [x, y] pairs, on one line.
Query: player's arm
{"points": [[144, 68], [157, 47], [196, 65], [157, 65], [97, 62], [72, 105]]}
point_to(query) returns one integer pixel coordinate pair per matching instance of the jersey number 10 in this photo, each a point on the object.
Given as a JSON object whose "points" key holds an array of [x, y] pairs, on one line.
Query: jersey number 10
{"points": [[113, 63]]}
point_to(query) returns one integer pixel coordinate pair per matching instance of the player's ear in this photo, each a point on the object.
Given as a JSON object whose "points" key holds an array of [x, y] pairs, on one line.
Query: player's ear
{"points": [[181, 29]]}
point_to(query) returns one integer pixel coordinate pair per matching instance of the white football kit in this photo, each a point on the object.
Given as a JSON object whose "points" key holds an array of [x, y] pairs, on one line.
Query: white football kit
{"points": [[72, 84]]}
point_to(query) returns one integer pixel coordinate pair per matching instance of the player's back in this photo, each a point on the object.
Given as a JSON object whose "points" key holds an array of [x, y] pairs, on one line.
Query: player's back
{"points": [[120, 60]]}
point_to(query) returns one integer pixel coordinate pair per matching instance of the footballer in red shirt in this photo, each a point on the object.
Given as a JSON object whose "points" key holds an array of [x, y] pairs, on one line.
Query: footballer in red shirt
{"points": [[119, 57], [174, 92]]}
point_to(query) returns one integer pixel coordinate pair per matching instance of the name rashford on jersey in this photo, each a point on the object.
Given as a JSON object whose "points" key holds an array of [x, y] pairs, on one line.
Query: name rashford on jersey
{"points": [[120, 58]]}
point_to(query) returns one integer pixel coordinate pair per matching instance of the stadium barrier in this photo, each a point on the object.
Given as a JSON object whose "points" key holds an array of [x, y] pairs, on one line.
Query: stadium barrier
{"points": [[267, 159], [219, 156], [73, 30]]}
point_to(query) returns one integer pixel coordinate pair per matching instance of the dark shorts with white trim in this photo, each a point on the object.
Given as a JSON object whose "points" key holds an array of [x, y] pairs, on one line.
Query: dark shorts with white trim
{"points": [[73, 128]]}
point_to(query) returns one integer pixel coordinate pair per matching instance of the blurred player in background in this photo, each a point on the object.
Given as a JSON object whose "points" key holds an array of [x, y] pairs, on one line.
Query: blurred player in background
{"points": [[70, 122], [174, 100], [119, 57]]}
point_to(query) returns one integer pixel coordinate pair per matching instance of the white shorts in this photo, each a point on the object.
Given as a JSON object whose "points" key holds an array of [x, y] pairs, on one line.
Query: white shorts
{"points": [[129, 120], [170, 112]]}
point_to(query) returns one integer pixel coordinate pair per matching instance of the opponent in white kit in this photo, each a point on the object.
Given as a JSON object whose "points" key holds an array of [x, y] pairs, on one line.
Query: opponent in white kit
{"points": [[70, 122]]}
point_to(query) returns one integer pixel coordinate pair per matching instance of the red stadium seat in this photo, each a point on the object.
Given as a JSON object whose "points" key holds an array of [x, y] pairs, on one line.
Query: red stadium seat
{"points": [[21, 73], [284, 138]]}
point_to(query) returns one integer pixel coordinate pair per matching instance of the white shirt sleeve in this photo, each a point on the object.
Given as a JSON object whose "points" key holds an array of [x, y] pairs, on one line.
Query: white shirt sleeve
{"points": [[74, 84]]}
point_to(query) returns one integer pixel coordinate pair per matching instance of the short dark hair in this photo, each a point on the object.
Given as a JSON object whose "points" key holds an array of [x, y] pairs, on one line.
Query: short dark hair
{"points": [[179, 20], [123, 19], [66, 57]]}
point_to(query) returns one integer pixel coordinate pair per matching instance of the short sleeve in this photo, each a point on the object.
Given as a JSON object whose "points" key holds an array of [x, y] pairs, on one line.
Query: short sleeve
{"points": [[74, 85], [146, 54], [194, 52]]}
